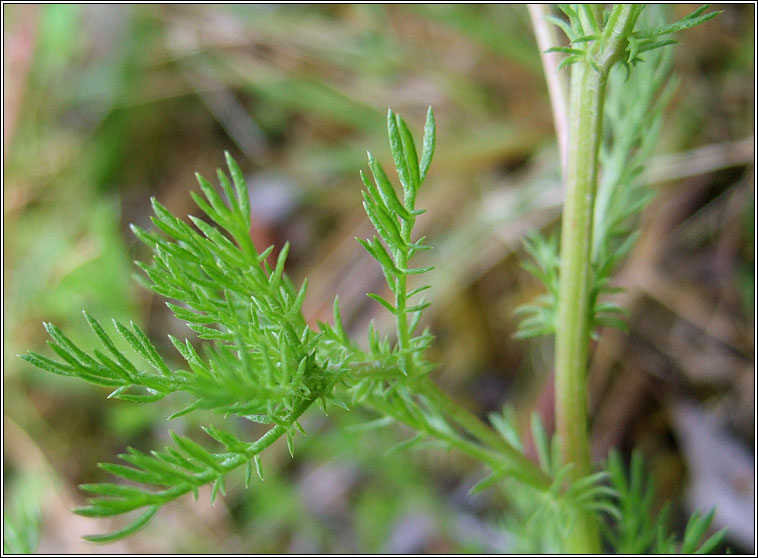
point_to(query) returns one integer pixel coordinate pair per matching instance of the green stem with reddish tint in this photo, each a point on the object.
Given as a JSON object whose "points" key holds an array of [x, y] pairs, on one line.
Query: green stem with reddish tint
{"points": [[587, 96]]}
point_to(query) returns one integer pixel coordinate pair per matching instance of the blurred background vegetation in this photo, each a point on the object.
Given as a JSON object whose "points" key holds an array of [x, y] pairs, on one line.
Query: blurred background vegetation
{"points": [[108, 105]]}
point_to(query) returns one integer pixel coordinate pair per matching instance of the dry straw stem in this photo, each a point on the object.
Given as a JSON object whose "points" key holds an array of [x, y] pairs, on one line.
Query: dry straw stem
{"points": [[547, 38]]}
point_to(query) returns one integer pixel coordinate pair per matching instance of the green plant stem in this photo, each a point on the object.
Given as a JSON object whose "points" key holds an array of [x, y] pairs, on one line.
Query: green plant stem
{"points": [[519, 465], [510, 458], [572, 331], [503, 459], [234, 461], [587, 97], [401, 299]]}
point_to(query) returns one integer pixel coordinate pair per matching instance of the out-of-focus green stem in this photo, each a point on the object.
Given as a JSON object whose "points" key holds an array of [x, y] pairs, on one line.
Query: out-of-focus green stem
{"points": [[517, 463], [587, 97], [573, 328], [572, 332]]}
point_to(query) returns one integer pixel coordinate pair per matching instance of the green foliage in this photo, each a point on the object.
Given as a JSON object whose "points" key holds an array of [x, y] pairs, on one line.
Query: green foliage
{"points": [[590, 28], [541, 519], [394, 247], [22, 515], [259, 360], [263, 362], [611, 139], [632, 119], [623, 501], [541, 314], [637, 530]]}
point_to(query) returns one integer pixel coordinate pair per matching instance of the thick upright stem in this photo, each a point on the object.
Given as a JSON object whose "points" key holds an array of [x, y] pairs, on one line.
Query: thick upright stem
{"points": [[572, 332], [587, 97], [572, 335]]}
